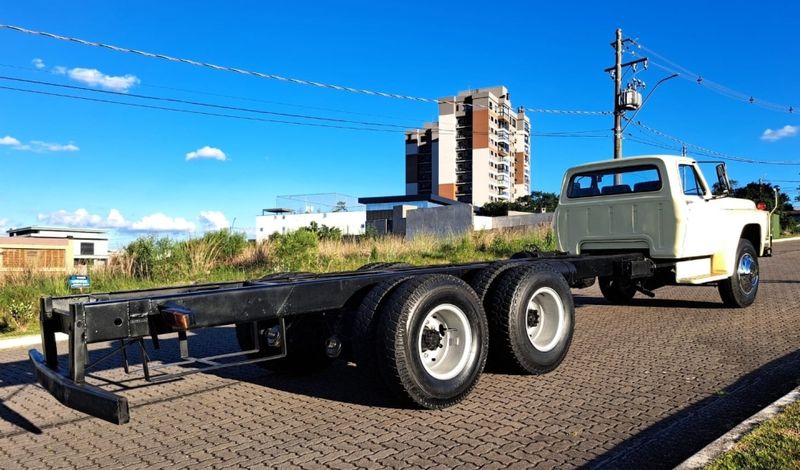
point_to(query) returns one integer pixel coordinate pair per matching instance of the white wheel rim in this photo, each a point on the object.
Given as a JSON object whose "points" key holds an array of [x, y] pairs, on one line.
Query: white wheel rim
{"points": [[448, 357], [545, 319]]}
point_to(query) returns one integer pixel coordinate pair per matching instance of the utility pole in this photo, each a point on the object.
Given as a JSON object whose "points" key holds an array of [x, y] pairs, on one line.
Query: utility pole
{"points": [[617, 92], [628, 100]]}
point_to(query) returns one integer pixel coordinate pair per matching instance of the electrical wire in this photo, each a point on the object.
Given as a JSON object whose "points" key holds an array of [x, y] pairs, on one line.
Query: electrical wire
{"points": [[575, 134], [268, 76], [199, 103], [189, 111], [713, 153], [221, 95], [673, 67]]}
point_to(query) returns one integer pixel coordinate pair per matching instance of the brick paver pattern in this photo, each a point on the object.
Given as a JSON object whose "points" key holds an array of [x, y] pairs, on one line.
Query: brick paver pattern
{"points": [[633, 374]]}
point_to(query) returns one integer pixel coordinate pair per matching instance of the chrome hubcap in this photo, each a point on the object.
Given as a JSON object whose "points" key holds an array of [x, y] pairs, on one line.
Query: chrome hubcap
{"points": [[545, 319], [748, 273], [444, 342]]}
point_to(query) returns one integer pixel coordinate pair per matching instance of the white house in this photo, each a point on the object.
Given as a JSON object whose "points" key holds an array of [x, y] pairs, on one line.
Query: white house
{"points": [[285, 220], [89, 246]]}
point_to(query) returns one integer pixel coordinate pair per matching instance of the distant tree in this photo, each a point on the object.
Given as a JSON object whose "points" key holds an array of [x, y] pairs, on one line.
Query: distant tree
{"points": [[494, 209], [716, 189], [535, 202], [540, 201], [341, 206], [763, 192]]}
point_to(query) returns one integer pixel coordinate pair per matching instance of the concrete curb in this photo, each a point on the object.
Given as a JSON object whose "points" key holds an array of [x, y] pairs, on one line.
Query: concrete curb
{"points": [[709, 453], [29, 340], [791, 239]]}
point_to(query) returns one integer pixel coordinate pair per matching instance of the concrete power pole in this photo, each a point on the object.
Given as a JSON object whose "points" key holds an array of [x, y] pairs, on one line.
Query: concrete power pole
{"points": [[617, 91]]}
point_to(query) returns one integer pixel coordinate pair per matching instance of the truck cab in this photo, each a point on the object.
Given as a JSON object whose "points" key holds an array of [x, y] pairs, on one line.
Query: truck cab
{"points": [[663, 207]]}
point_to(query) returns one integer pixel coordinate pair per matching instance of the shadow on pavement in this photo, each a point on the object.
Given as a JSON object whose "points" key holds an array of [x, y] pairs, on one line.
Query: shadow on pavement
{"points": [[11, 416], [339, 382], [677, 437], [581, 300]]}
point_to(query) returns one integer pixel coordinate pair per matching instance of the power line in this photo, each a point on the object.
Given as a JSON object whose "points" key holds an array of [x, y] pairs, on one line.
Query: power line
{"points": [[209, 65], [199, 103], [231, 116], [268, 76], [189, 111], [713, 153], [221, 95], [686, 74]]}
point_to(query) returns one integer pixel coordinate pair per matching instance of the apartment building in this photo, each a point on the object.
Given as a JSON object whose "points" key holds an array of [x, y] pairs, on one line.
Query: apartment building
{"points": [[478, 151]]}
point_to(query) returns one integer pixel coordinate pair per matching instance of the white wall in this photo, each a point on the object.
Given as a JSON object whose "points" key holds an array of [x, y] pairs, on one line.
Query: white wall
{"points": [[351, 223], [100, 248]]}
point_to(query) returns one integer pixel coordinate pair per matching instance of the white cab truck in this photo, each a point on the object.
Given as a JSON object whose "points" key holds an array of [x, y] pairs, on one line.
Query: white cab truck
{"points": [[663, 207], [426, 331]]}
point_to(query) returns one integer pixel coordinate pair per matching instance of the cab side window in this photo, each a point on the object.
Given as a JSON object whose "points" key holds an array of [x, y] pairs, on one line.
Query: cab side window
{"points": [[690, 181]]}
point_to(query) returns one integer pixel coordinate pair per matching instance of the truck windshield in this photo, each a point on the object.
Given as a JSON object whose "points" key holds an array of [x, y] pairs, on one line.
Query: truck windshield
{"points": [[633, 179]]}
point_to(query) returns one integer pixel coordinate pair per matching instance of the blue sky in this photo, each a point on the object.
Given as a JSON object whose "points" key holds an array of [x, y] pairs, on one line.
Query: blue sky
{"points": [[94, 164]]}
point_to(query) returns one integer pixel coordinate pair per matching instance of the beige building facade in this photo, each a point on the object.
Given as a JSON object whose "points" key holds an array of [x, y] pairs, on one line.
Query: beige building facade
{"points": [[478, 151]]}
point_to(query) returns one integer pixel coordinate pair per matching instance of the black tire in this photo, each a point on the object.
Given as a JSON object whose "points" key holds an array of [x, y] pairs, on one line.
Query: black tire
{"points": [[483, 281], [365, 324], [446, 301], [305, 345], [734, 290], [617, 291], [383, 266], [512, 349]]}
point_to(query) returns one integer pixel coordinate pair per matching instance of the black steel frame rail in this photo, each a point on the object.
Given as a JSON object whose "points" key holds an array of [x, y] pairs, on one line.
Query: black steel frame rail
{"points": [[130, 316]]}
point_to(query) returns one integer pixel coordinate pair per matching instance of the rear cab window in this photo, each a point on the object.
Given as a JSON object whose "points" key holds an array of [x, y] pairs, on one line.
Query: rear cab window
{"points": [[629, 180]]}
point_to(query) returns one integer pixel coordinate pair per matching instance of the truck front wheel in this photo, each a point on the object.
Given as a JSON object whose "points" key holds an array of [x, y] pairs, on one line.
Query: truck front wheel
{"points": [[433, 340], [617, 291], [740, 289]]}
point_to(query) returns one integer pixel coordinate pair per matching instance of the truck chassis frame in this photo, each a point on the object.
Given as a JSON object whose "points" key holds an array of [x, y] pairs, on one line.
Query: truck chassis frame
{"points": [[127, 318]]}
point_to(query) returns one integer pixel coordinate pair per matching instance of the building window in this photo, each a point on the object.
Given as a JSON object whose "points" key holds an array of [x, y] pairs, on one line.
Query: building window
{"points": [[87, 249]]}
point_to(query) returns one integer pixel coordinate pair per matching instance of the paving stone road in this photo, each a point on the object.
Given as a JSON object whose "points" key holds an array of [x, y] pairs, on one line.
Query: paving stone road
{"points": [[643, 385]]}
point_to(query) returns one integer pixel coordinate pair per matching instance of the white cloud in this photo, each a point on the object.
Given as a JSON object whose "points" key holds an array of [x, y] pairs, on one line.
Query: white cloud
{"points": [[94, 77], [115, 219], [8, 140], [37, 145], [3, 226], [160, 222], [82, 218], [785, 131], [154, 223], [214, 220], [38, 63], [212, 153]]}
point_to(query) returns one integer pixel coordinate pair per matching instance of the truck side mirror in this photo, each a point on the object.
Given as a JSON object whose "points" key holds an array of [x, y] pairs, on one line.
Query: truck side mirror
{"points": [[722, 179]]}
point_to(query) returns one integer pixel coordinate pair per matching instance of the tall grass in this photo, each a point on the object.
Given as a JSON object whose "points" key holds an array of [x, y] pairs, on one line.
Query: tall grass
{"points": [[223, 256]]}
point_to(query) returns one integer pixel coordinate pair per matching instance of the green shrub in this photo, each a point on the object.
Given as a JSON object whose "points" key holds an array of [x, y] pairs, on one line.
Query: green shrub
{"points": [[295, 251], [152, 257], [323, 232], [228, 244]]}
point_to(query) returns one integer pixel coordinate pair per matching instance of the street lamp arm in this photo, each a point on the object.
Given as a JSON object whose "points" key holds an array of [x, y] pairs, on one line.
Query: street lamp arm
{"points": [[646, 98]]}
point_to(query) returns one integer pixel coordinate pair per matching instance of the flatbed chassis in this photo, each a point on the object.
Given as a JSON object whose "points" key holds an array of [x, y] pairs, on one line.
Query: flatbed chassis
{"points": [[129, 317]]}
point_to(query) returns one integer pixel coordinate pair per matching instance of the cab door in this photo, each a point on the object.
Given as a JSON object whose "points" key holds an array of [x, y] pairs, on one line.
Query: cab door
{"points": [[701, 234]]}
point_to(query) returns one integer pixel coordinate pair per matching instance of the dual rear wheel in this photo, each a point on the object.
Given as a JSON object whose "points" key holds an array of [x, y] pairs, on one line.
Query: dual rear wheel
{"points": [[427, 336]]}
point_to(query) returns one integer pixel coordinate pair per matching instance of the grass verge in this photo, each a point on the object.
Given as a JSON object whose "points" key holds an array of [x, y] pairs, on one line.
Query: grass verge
{"points": [[223, 256], [775, 444]]}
